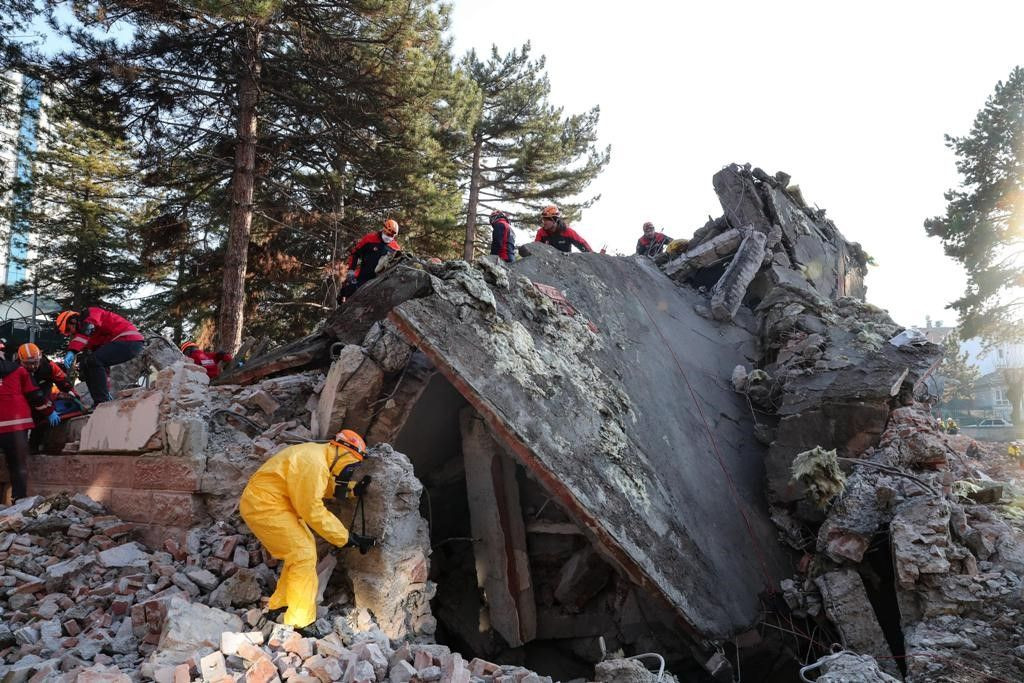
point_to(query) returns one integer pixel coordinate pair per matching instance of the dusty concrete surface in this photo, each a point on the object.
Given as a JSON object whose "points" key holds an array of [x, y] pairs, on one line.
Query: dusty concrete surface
{"points": [[612, 428]]}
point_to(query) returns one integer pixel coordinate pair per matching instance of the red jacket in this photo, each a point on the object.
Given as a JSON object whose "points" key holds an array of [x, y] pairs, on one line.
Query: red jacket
{"points": [[368, 252], [97, 327], [19, 399], [209, 361], [564, 240]]}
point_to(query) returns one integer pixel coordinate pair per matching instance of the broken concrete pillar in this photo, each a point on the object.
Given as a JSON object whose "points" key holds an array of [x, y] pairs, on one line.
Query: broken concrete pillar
{"points": [[391, 579], [740, 199], [705, 255], [582, 577], [353, 383], [847, 605], [387, 347], [728, 292], [496, 520]]}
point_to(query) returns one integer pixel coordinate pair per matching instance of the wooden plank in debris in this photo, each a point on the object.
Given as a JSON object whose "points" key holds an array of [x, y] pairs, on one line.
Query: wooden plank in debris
{"points": [[309, 351], [496, 519]]}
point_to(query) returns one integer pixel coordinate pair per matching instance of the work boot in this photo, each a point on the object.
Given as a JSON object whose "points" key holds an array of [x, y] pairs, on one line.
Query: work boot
{"points": [[269, 617]]}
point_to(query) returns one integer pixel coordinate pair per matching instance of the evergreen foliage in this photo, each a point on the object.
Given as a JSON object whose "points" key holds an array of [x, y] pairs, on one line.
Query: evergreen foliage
{"points": [[524, 152], [960, 375], [983, 227], [276, 133]]}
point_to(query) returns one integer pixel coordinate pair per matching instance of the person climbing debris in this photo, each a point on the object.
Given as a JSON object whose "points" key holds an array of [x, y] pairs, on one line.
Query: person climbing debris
{"points": [[109, 340], [555, 232], [21, 402], [284, 499], [503, 240], [651, 243], [49, 377], [366, 254], [211, 362], [1013, 450]]}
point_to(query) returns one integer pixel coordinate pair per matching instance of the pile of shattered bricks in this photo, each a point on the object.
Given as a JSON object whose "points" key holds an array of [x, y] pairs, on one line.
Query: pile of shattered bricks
{"points": [[905, 541]]}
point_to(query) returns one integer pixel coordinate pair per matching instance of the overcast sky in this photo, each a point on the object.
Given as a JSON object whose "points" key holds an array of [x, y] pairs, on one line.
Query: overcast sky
{"points": [[851, 100]]}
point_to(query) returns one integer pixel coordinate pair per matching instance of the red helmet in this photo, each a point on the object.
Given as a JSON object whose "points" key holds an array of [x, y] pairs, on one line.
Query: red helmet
{"points": [[187, 346], [550, 212]]}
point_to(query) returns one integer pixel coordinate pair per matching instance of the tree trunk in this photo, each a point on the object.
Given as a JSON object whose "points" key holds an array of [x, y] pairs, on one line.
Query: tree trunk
{"points": [[232, 302], [474, 198]]}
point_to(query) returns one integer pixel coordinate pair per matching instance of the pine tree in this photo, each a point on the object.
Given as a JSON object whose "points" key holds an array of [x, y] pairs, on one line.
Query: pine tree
{"points": [[275, 132], [959, 374], [983, 227], [84, 216], [523, 152]]}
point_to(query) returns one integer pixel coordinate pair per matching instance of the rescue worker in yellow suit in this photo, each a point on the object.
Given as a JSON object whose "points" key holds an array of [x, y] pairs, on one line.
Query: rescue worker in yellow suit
{"points": [[284, 500]]}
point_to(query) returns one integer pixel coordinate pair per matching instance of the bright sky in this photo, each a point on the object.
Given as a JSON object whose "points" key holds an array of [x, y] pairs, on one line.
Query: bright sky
{"points": [[851, 100]]}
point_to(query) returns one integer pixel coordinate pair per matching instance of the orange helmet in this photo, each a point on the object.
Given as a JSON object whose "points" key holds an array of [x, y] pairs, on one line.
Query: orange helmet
{"points": [[550, 212], [64, 320], [185, 346], [391, 224], [351, 440], [29, 352]]}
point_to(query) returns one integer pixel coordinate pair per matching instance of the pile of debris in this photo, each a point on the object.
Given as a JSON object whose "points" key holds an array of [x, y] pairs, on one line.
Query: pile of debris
{"points": [[580, 472]]}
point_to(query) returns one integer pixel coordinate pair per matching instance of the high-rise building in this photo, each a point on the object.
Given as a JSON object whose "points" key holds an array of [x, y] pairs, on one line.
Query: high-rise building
{"points": [[21, 120]]}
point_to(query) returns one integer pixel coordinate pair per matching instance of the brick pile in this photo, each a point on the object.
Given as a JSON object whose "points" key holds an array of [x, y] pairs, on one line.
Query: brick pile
{"points": [[75, 587], [364, 657], [81, 602]]}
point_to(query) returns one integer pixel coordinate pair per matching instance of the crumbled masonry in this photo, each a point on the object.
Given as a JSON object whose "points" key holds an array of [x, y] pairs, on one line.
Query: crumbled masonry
{"points": [[716, 456]]}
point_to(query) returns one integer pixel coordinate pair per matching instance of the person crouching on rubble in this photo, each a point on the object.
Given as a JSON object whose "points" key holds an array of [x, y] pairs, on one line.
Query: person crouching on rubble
{"points": [[110, 339], [555, 232], [206, 360], [651, 243], [46, 374], [20, 398], [284, 499], [366, 254]]}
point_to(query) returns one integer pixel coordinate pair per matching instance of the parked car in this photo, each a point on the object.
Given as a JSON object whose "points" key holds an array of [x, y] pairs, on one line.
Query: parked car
{"points": [[994, 422]]}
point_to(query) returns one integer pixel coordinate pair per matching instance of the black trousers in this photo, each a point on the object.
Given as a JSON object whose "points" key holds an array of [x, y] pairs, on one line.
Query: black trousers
{"points": [[93, 366], [15, 448]]}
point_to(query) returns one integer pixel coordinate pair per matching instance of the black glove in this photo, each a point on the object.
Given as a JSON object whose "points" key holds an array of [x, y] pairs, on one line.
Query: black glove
{"points": [[359, 490], [364, 543]]}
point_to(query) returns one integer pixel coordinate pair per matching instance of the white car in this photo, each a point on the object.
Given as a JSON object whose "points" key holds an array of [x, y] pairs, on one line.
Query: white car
{"points": [[994, 422]]}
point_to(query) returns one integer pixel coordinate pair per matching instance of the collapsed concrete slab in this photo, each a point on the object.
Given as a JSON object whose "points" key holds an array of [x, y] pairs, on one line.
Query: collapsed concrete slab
{"points": [[656, 460]]}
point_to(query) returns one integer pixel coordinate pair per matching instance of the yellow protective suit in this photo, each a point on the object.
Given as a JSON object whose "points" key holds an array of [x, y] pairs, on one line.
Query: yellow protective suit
{"points": [[281, 502]]}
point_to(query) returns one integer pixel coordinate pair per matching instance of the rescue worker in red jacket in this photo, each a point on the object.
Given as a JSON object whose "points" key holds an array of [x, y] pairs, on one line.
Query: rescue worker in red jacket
{"points": [[208, 361], [367, 253], [503, 240], [46, 374], [20, 401], [651, 243], [111, 339], [555, 232]]}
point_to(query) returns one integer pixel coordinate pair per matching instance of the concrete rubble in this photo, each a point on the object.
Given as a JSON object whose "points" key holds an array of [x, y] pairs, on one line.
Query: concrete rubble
{"points": [[716, 456]]}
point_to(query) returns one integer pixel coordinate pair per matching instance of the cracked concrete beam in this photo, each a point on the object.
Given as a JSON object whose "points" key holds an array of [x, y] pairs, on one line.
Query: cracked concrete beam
{"points": [[728, 292]]}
